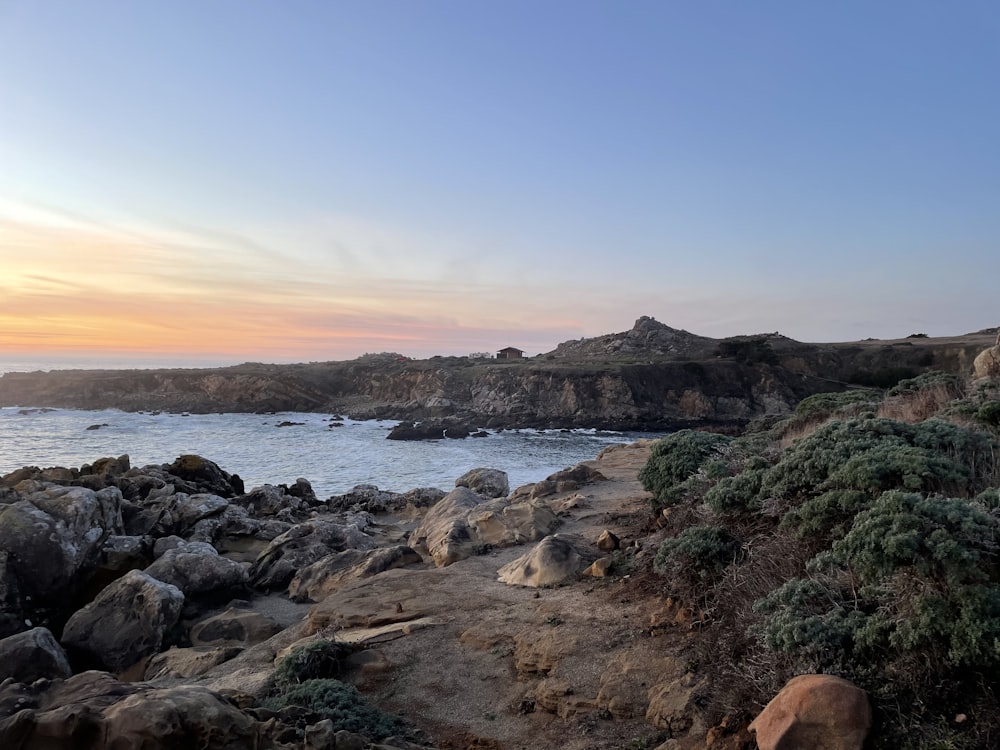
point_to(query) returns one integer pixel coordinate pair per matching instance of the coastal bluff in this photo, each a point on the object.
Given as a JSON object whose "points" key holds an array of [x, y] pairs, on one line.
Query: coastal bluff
{"points": [[651, 377]]}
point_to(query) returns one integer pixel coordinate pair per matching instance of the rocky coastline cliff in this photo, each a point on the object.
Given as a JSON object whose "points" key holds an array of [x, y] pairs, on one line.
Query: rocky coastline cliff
{"points": [[651, 377]]}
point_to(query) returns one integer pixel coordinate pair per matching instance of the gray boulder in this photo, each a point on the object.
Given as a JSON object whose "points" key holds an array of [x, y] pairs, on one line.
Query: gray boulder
{"points": [[32, 655], [127, 621], [197, 568], [553, 560], [323, 577]]}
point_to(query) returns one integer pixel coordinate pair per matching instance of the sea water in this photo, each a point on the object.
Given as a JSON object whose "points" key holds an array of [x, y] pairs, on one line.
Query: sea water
{"points": [[333, 458]]}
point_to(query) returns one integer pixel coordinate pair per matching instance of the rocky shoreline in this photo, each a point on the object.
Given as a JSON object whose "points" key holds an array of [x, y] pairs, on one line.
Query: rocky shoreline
{"points": [[156, 605]]}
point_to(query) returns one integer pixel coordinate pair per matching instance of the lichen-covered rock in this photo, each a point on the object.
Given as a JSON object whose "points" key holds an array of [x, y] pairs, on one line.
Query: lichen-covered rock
{"points": [[126, 622], [188, 662], [817, 711], [52, 539], [302, 545], [489, 483], [32, 655], [206, 475]]}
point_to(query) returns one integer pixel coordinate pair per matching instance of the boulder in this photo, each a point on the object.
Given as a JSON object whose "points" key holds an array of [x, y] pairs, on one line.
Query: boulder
{"points": [[234, 627], [489, 483], [32, 655], [444, 533], [608, 542], [987, 363], [430, 430], [197, 568], [553, 560], [302, 545], [93, 711], [52, 539], [501, 523], [127, 621], [817, 711], [274, 501], [206, 475], [323, 577]]}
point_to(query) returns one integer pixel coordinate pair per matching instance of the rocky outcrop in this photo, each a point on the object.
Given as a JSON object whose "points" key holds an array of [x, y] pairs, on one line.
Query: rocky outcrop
{"points": [[816, 711], [197, 569]]}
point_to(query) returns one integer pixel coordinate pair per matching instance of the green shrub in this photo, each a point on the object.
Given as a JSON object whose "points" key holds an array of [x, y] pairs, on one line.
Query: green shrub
{"points": [[829, 514], [736, 494], [989, 414], [822, 405], [673, 460], [933, 379], [697, 553], [332, 699], [320, 659], [873, 455]]}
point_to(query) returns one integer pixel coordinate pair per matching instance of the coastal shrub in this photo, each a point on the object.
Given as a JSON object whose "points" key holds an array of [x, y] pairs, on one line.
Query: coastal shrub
{"points": [[320, 659], [339, 702], [674, 459], [919, 584], [810, 619], [872, 455], [928, 380], [989, 414], [697, 553], [737, 493], [824, 405]]}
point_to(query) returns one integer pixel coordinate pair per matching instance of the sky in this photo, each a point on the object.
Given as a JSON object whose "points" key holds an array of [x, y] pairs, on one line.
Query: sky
{"points": [[235, 180]]}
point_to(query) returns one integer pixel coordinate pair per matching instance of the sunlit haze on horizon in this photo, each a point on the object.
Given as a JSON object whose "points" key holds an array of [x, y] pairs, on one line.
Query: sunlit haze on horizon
{"points": [[230, 181]]}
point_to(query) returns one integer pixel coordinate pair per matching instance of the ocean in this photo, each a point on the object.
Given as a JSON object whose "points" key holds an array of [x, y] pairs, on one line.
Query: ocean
{"points": [[333, 458]]}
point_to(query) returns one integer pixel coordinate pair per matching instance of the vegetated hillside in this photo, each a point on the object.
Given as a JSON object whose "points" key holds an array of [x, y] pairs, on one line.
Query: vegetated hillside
{"points": [[651, 377], [857, 537]]}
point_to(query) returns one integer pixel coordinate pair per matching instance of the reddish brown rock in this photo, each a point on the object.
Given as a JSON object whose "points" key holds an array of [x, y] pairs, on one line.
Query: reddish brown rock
{"points": [[815, 711]]}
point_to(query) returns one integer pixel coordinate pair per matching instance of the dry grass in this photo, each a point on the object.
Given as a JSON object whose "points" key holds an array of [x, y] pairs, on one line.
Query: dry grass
{"points": [[919, 405]]}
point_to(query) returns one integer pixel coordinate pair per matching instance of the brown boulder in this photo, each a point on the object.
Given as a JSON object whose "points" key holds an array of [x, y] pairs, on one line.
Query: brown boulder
{"points": [[817, 711], [987, 363]]}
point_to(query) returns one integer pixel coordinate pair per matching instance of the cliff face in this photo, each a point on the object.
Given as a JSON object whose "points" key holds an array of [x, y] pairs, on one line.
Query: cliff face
{"points": [[651, 377]]}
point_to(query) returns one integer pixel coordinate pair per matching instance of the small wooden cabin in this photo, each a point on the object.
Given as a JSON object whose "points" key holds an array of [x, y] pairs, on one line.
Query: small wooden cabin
{"points": [[510, 353]]}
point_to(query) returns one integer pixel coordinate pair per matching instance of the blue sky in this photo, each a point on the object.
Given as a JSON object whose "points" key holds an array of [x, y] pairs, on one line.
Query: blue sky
{"points": [[312, 180]]}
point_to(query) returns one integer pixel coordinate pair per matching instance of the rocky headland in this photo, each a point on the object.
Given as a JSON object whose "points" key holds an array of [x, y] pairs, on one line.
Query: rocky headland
{"points": [[651, 377]]}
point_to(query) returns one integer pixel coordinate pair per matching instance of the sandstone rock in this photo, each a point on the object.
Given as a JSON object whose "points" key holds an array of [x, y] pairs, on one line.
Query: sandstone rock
{"points": [[234, 627], [607, 542], [197, 568], [303, 545], [600, 568], [126, 622], [987, 363], [821, 712], [444, 534], [328, 574], [581, 474], [501, 523], [188, 662], [93, 711], [32, 655], [553, 560], [537, 651], [673, 706], [489, 483]]}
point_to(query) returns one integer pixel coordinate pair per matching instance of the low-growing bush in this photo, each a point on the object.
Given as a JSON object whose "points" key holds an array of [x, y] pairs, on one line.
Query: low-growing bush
{"points": [[674, 459], [335, 700], [320, 659], [736, 494], [697, 553]]}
